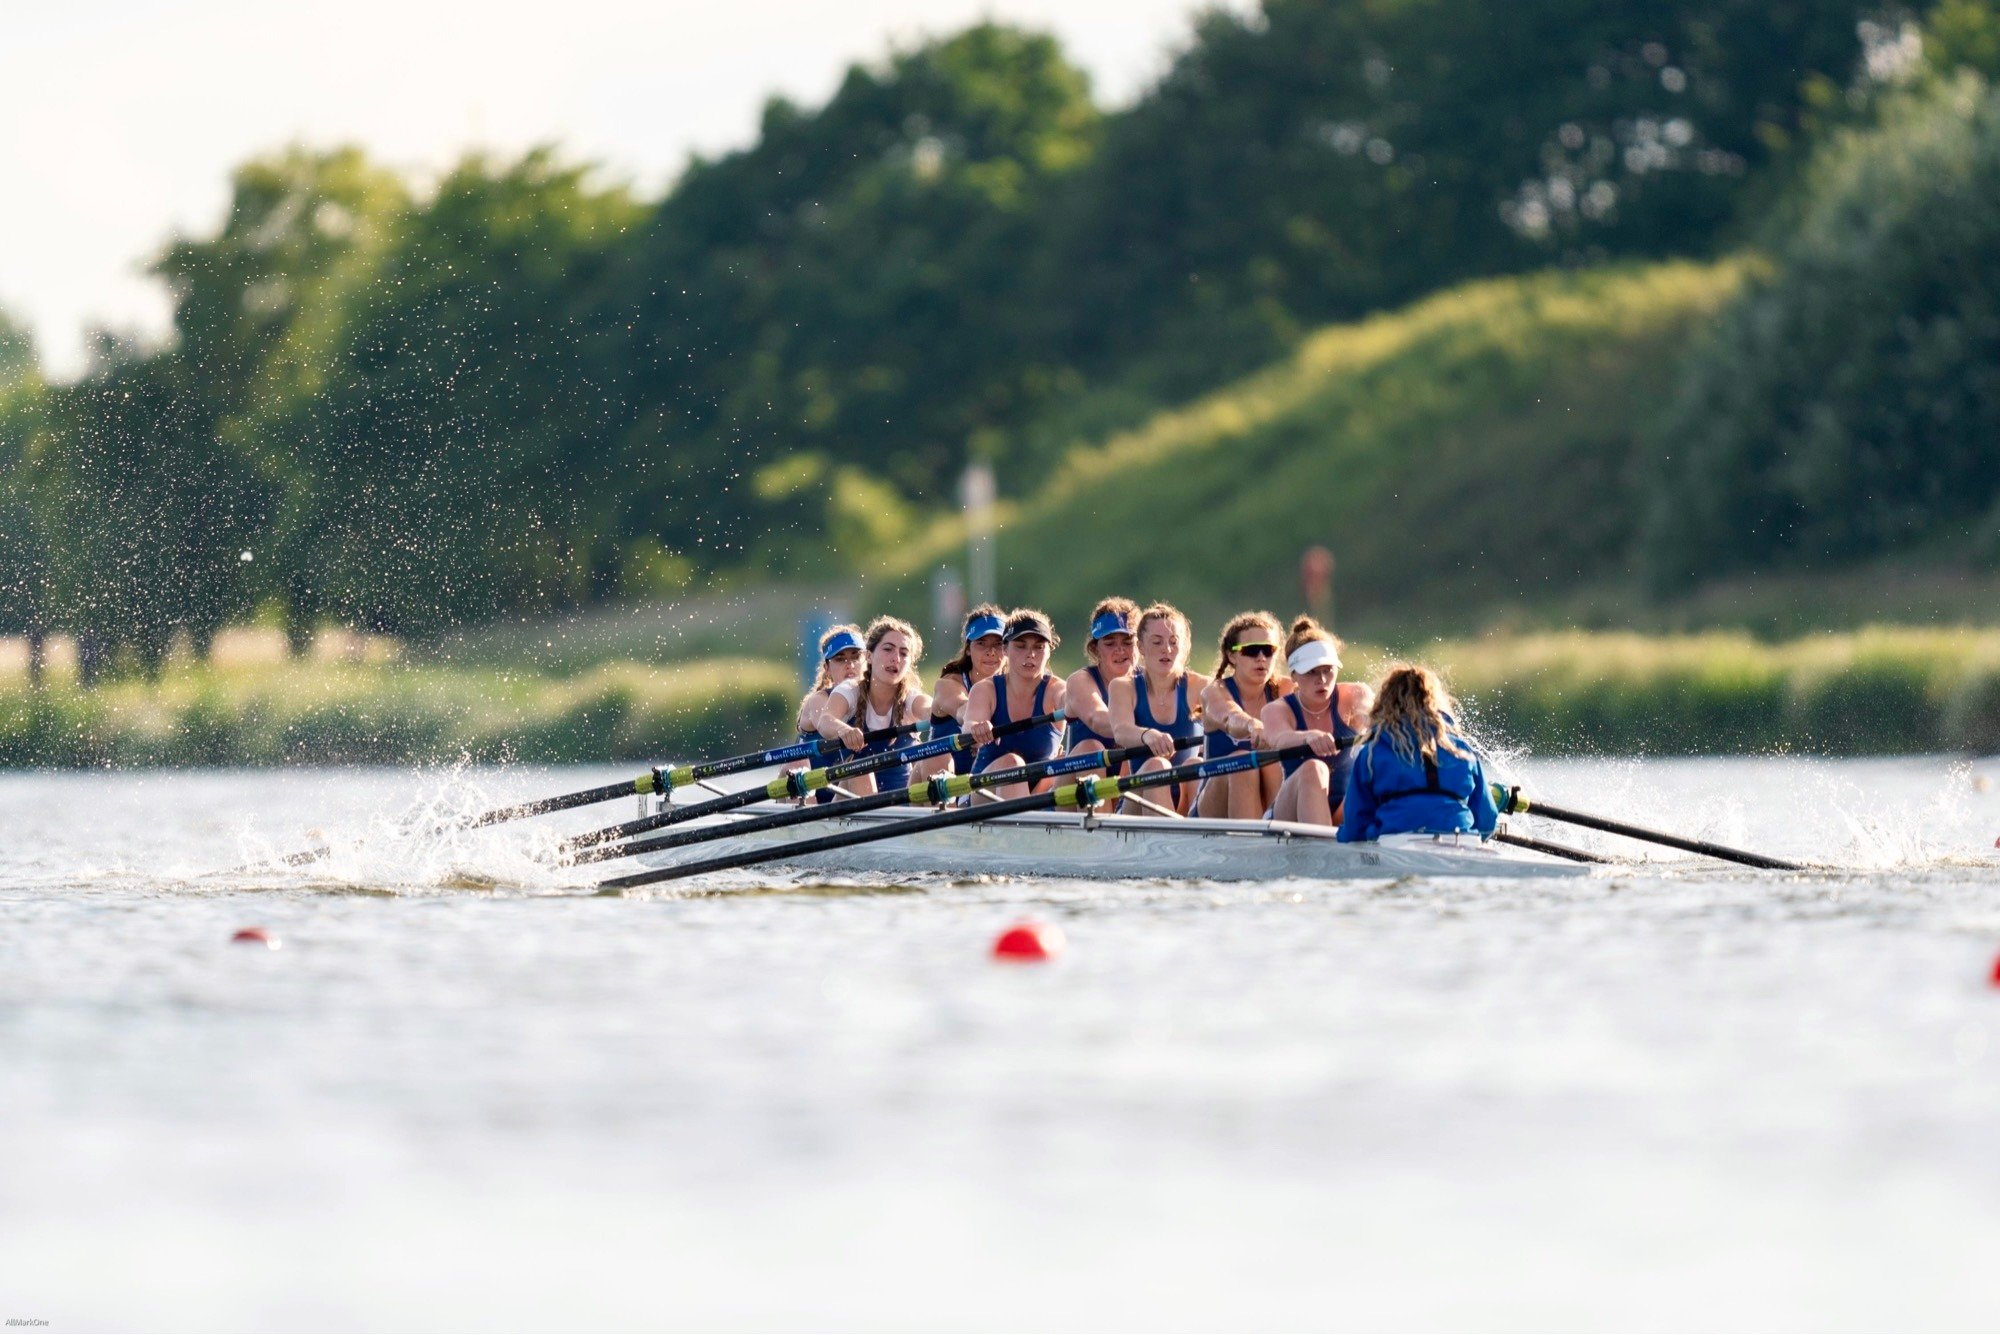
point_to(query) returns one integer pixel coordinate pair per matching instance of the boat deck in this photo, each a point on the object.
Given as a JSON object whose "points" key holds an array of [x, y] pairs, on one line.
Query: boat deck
{"points": [[1066, 846]]}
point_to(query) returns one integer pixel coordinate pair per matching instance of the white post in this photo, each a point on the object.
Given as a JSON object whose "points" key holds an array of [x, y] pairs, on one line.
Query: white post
{"points": [[976, 492]]}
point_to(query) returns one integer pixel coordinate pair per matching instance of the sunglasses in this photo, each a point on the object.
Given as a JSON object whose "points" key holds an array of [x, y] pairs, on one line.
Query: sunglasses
{"points": [[1255, 650]]}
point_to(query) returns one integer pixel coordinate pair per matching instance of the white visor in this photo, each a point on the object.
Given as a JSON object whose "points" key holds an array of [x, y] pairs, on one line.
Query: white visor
{"points": [[1312, 654]]}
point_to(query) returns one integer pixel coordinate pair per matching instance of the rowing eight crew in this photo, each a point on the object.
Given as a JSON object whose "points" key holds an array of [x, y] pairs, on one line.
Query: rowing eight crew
{"points": [[1389, 760]]}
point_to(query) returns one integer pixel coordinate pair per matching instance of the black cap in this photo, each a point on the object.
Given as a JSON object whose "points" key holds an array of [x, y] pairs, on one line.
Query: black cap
{"points": [[1028, 623]]}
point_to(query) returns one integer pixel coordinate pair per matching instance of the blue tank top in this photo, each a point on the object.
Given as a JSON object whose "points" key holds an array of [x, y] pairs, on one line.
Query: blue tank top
{"points": [[1036, 744], [944, 725], [1180, 725], [1078, 733], [1220, 743], [1341, 763]]}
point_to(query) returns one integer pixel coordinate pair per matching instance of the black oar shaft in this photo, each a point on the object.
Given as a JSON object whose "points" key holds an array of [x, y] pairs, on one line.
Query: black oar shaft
{"points": [[667, 778], [797, 785], [1544, 846], [1518, 802], [1086, 793], [914, 795]]}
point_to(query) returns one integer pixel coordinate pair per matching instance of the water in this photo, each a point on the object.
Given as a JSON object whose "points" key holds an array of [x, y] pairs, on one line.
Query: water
{"points": [[1675, 1095]]}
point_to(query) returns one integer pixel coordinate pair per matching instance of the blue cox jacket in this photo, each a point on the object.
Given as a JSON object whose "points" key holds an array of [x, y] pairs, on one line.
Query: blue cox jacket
{"points": [[1387, 794]]}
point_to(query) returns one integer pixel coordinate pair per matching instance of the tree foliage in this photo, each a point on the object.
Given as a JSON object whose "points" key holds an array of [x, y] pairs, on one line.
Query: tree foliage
{"points": [[1849, 404], [522, 389]]}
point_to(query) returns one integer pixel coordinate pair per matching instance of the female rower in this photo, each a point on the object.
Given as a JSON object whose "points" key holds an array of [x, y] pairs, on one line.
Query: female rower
{"points": [[1022, 688], [979, 657], [1156, 704], [887, 694], [1110, 651], [1232, 710], [1323, 712], [1418, 774], [839, 659]]}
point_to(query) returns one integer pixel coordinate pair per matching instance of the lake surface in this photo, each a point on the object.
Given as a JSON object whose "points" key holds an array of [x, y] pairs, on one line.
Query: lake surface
{"points": [[458, 1096]]}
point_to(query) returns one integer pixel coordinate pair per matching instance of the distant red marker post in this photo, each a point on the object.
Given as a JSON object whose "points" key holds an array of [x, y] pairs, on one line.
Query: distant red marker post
{"points": [[1316, 582]]}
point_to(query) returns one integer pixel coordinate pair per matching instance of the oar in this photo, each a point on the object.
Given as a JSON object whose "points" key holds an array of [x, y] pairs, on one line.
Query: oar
{"points": [[664, 780], [1543, 846], [1514, 801], [1084, 794], [935, 792], [659, 779], [800, 783]]}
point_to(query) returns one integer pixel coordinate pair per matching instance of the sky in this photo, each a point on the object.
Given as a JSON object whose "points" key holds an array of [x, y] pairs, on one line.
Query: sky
{"points": [[125, 117]]}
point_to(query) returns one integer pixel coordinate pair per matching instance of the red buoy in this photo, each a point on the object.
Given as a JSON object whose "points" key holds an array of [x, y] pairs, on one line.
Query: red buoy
{"points": [[1994, 977], [256, 936], [1029, 942]]}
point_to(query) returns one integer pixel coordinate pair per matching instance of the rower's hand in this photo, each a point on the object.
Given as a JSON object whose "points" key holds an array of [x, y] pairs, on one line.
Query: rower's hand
{"points": [[981, 730], [1158, 742], [853, 738], [1322, 743]]}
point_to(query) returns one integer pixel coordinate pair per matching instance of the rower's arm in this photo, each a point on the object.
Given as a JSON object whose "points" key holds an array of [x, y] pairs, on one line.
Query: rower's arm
{"points": [[1220, 708], [977, 717], [949, 702], [833, 718], [1279, 729], [1125, 729], [1086, 704], [1357, 701], [810, 709]]}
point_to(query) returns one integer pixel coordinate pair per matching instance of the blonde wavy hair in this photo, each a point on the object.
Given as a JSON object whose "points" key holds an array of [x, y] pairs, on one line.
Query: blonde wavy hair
{"points": [[1409, 713]]}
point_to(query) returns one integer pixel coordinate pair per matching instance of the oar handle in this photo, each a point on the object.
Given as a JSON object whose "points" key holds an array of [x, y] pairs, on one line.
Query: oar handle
{"points": [[1514, 801]]}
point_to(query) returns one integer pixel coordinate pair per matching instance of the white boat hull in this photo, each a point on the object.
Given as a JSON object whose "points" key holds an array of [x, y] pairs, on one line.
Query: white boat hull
{"points": [[1051, 846]]}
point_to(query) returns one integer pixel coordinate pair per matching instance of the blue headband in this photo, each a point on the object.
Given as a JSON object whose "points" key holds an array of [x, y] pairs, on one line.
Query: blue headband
{"points": [[1109, 623], [839, 644], [983, 625]]}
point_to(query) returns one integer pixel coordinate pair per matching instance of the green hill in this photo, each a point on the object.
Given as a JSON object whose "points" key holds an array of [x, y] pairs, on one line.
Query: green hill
{"points": [[1470, 453]]}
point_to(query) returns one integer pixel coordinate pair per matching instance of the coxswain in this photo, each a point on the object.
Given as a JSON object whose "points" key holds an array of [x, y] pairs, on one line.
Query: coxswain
{"points": [[1417, 773]]}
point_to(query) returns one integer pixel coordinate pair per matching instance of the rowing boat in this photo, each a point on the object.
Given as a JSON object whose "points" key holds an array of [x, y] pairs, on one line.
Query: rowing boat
{"points": [[1062, 846]]}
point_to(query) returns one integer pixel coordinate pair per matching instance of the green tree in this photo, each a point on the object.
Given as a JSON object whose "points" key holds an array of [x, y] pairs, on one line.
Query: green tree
{"points": [[853, 285], [1318, 159], [1849, 403], [447, 425]]}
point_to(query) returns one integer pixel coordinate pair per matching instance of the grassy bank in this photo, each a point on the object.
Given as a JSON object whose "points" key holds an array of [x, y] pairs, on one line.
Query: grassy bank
{"points": [[1875, 692], [1474, 450], [327, 713]]}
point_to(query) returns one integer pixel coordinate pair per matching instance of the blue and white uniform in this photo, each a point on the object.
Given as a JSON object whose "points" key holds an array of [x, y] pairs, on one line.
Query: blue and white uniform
{"points": [[865, 718], [1180, 725], [1341, 763], [1035, 744], [944, 725], [1391, 793]]}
